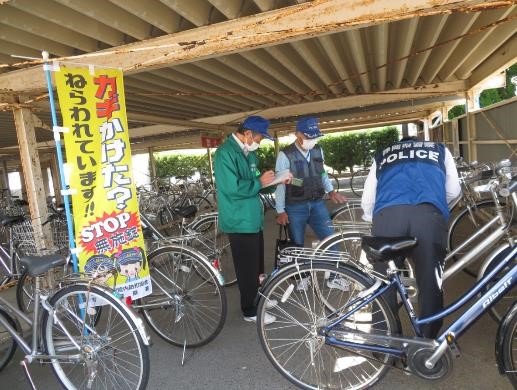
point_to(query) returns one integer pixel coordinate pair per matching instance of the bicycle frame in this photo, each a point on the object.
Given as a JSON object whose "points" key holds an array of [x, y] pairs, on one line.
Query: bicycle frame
{"points": [[482, 305]]}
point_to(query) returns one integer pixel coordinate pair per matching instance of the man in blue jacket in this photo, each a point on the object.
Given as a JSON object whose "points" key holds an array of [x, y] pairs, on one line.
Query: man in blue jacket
{"points": [[407, 192]]}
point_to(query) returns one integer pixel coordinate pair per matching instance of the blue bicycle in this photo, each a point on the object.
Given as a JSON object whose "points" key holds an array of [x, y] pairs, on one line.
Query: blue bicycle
{"points": [[344, 335]]}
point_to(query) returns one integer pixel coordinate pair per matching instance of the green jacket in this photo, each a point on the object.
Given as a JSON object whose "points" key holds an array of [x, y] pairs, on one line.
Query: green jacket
{"points": [[238, 186]]}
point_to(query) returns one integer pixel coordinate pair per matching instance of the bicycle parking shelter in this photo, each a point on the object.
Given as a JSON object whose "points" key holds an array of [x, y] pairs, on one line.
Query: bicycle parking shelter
{"points": [[190, 76]]}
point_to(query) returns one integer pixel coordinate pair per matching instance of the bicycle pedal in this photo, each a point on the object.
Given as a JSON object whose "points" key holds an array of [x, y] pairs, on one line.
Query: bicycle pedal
{"points": [[455, 349]]}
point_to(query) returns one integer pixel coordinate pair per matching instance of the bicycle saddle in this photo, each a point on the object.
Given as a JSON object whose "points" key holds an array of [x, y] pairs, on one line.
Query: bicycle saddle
{"points": [[36, 265], [7, 221], [187, 211], [387, 248]]}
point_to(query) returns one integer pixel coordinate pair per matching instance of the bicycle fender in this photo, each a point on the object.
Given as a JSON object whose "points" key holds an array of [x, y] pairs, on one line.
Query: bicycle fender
{"points": [[194, 253], [491, 257], [501, 331]]}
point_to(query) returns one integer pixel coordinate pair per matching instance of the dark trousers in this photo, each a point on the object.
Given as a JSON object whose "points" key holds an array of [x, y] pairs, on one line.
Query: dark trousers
{"points": [[428, 225], [248, 259]]}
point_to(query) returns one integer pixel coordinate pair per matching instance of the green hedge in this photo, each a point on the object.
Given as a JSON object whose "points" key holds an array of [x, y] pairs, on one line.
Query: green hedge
{"points": [[341, 152]]}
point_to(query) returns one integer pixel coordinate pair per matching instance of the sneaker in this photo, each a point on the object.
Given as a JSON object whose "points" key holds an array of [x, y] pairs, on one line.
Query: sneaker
{"points": [[271, 303], [336, 282], [304, 284], [268, 319]]}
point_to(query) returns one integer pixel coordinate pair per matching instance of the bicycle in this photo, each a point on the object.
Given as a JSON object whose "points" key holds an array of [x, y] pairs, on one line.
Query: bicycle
{"points": [[187, 307], [357, 181], [466, 254], [353, 342], [84, 350]]}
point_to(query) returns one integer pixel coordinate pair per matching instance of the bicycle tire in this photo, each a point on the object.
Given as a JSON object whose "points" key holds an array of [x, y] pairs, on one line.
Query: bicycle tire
{"points": [[7, 343], [357, 181], [349, 212], [202, 203], [334, 180], [198, 312], [114, 342], [498, 311], [215, 245], [465, 225], [301, 314], [509, 349]]}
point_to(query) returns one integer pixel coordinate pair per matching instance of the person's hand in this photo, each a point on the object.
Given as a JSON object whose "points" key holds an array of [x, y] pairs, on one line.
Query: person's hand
{"points": [[288, 181], [282, 219], [266, 178], [336, 197]]}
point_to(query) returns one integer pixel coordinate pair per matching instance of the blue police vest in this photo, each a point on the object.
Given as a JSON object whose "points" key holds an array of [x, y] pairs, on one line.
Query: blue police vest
{"points": [[411, 173]]}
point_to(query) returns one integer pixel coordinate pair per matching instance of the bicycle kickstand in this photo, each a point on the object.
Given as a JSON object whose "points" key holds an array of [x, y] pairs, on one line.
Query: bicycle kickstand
{"points": [[27, 374]]}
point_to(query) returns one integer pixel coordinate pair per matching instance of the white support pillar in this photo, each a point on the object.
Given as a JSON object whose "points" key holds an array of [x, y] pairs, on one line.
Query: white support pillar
{"points": [[45, 177], [471, 125], [425, 122], [32, 175]]}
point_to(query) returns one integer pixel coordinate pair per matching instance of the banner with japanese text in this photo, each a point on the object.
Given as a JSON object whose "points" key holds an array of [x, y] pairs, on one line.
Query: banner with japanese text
{"points": [[107, 226]]}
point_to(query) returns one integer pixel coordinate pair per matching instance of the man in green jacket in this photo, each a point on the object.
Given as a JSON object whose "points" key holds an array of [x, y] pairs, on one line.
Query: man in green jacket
{"points": [[241, 215]]}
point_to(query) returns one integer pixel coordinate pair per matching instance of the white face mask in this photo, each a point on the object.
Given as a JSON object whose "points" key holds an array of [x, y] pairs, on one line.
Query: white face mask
{"points": [[308, 144], [254, 146], [251, 148]]}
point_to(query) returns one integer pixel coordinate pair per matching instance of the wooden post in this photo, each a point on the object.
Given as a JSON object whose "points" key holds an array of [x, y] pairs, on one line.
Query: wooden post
{"points": [[56, 179], [471, 125], [152, 164], [5, 174], [211, 165], [46, 184], [32, 175], [277, 144]]}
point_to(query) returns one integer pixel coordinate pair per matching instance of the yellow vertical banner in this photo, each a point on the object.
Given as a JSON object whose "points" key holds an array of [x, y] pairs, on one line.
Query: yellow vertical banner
{"points": [[107, 226]]}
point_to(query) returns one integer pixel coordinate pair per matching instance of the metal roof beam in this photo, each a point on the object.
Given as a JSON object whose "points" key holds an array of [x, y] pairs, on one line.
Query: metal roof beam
{"points": [[359, 59], [457, 25], [494, 40], [196, 11], [381, 38], [71, 19], [15, 35], [499, 60], [266, 29], [156, 14], [455, 88], [265, 5], [229, 8], [430, 30], [471, 43], [408, 30], [111, 15], [330, 47], [39, 26]]}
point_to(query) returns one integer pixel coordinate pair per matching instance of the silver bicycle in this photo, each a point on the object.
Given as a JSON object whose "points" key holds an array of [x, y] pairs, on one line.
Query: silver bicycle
{"points": [[88, 348]]}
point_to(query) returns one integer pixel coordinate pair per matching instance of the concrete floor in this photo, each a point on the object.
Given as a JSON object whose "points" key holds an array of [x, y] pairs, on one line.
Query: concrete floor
{"points": [[235, 360]]}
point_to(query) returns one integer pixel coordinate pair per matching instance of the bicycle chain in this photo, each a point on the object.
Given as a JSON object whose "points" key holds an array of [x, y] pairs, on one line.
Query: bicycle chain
{"points": [[370, 358]]}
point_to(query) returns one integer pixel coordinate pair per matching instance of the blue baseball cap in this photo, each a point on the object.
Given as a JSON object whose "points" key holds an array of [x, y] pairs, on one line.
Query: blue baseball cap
{"points": [[309, 127], [257, 124]]}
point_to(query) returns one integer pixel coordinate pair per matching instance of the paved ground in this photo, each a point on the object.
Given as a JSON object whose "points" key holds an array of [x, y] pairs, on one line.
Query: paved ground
{"points": [[235, 360]]}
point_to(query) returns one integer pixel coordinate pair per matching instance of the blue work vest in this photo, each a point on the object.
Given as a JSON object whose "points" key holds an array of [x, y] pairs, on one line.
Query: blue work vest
{"points": [[410, 173], [311, 172]]}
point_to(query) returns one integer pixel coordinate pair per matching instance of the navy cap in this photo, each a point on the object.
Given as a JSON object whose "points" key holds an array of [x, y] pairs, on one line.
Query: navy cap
{"points": [[309, 127], [257, 124]]}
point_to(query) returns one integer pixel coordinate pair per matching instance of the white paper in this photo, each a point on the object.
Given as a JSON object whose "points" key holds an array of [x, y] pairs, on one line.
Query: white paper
{"points": [[280, 177]]}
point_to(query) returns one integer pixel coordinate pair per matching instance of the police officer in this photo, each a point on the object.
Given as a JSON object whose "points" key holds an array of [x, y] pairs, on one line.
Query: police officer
{"points": [[407, 191]]}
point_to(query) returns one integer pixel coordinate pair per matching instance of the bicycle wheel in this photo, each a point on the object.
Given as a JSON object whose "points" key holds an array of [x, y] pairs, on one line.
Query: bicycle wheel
{"points": [[349, 212], [509, 347], [109, 354], [7, 342], [357, 181], [188, 305], [215, 245], [203, 204], [465, 225], [294, 344], [334, 180], [498, 311]]}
